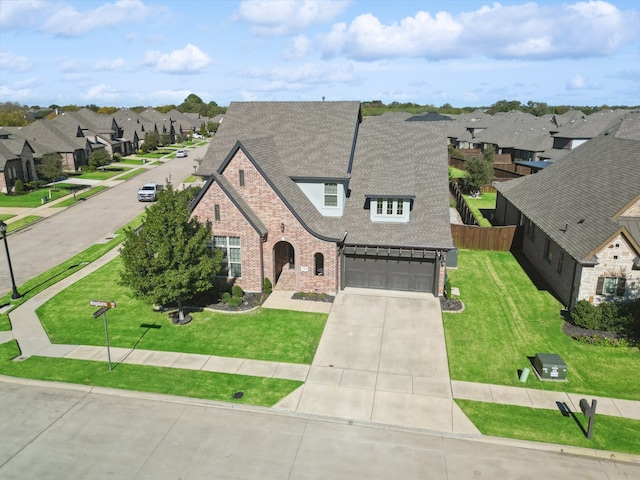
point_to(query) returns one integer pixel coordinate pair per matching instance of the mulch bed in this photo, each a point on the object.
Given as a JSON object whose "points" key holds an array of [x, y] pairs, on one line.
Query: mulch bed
{"points": [[313, 297], [575, 331], [451, 305]]}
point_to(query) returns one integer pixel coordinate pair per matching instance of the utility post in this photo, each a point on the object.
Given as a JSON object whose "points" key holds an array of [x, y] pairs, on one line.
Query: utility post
{"points": [[104, 306], [590, 412]]}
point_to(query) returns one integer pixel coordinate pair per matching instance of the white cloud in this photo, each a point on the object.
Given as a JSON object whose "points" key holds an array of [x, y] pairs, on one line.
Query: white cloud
{"points": [[18, 15], [108, 65], [11, 62], [170, 96], [101, 92], [300, 48], [307, 74], [582, 29], [578, 82], [278, 17], [69, 22], [188, 60]]}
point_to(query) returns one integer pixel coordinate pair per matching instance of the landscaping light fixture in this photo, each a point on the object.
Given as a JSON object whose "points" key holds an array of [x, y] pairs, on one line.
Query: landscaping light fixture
{"points": [[3, 229]]}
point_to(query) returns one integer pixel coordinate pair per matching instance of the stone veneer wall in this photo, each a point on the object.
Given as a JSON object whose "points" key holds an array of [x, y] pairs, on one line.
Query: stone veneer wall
{"points": [[609, 266]]}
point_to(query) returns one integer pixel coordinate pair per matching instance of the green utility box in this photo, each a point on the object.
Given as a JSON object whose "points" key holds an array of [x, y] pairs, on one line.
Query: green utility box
{"points": [[550, 366]]}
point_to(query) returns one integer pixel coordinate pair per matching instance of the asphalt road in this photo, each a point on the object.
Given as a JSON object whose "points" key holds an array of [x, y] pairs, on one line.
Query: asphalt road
{"points": [[55, 433], [50, 242]]}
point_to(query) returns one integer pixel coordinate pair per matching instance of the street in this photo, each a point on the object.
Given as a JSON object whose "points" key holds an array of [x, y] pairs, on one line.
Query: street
{"points": [[43, 245], [72, 433]]}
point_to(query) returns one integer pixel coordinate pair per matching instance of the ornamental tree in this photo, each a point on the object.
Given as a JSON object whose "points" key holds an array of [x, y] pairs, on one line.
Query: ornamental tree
{"points": [[167, 260]]}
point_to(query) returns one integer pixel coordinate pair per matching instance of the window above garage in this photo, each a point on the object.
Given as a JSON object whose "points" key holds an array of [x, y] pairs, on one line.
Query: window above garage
{"points": [[390, 209]]}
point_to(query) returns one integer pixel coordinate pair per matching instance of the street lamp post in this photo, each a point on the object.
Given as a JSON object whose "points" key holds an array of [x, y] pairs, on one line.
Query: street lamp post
{"points": [[3, 229]]}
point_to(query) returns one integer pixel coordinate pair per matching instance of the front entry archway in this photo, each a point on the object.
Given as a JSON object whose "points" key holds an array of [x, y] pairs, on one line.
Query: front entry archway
{"points": [[283, 258]]}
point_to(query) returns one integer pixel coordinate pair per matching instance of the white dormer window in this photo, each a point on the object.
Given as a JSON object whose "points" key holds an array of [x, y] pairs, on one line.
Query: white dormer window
{"points": [[389, 209]]}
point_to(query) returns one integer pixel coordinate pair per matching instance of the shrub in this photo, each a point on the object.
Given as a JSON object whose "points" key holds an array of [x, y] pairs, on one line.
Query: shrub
{"points": [[266, 286], [225, 297], [585, 315], [447, 287], [19, 186], [235, 301], [236, 291], [116, 157]]}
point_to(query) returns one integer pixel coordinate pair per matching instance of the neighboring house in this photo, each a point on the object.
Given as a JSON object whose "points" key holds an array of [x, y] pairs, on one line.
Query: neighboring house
{"points": [[315, 199], [45, 137], [16, 161], [581, 217]]}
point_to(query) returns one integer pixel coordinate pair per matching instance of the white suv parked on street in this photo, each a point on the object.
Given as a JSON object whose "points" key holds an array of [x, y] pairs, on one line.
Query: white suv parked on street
{"points": [[149, 192]]}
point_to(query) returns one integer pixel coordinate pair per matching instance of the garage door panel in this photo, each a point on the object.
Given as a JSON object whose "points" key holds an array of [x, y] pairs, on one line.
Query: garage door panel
{"points": [[389, 273]]}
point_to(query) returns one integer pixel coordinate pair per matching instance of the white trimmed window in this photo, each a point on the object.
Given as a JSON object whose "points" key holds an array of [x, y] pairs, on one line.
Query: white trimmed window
{"points": [[231, 263], [389, 209], [330, 194]]}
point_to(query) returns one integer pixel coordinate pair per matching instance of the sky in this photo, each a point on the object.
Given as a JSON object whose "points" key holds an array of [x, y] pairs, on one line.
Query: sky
{"points": [[127, 53]]}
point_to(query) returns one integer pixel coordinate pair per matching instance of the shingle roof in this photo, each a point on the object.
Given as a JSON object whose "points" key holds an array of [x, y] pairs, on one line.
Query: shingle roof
{"points": [[591, 125], [313, 139], [395, 159], [592, 182]]}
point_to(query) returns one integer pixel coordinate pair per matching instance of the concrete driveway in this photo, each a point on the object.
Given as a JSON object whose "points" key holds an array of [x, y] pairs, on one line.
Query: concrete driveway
{"points": [[382, 358]]}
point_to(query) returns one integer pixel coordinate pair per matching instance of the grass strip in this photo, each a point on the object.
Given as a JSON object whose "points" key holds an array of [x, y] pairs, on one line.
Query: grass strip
{"points": [[507, 319], [29, 219], [131, 174], [550, 426], [171, 381], [80, 196]]}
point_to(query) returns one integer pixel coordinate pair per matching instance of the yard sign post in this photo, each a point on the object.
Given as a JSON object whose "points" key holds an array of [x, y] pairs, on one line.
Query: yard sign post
{"points": [[104, 306]]}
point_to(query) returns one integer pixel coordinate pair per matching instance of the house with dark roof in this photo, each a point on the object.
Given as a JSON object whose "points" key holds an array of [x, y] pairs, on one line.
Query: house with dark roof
{"points": [[581, 217], [313, 198], [16, 161]]}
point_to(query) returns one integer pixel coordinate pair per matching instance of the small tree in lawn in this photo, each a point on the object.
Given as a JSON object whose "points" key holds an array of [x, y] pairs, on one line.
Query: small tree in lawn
{"points": [[50, 168], [167, 260], [479, 173], [98, 159]]}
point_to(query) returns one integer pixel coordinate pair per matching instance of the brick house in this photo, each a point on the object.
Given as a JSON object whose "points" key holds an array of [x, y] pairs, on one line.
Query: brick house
{"points": [[314, 198], [16, 161], [581, 217]]}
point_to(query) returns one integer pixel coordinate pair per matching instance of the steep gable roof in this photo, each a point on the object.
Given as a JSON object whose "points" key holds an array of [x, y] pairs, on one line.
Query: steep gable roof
{"points": [[576, 201], [313, 139]]}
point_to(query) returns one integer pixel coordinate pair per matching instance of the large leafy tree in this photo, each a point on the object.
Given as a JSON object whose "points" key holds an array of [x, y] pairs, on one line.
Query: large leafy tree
{"points": [[50, 167], [167, 259], [479, 172]]}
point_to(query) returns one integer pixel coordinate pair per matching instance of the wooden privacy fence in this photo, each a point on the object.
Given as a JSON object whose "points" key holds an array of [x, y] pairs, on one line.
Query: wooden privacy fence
{"points": [[473, 237]]}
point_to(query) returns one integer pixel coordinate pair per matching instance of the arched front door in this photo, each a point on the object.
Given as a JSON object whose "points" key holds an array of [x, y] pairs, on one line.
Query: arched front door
{"points": [[284, 258]]}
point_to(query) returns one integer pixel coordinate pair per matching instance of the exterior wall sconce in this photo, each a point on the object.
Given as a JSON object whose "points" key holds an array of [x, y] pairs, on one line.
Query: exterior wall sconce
{"points": [[282, 228]]}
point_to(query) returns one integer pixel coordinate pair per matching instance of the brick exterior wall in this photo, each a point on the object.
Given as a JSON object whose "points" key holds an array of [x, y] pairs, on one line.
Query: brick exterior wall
{"points": [[257, 256], [560, 282]]}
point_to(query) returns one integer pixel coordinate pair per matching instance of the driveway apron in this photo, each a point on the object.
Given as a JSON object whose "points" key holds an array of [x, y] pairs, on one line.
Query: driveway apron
{"points": [[382, 358]]}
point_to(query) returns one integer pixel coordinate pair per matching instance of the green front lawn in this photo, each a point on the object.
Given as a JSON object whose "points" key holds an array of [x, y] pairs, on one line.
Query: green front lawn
{"points": [[170, 381], [263, 334], [105, 174], [507, 319], [550, 426], [33, 199]]}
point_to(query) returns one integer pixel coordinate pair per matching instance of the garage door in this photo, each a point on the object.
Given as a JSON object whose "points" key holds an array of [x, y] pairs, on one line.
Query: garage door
{"points": [[389, 273]]}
